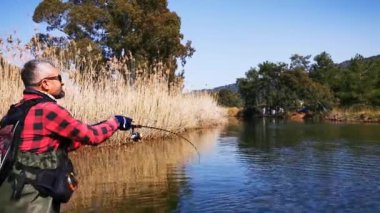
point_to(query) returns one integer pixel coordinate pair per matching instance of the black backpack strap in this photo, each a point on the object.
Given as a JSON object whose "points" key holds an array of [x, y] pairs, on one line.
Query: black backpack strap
{"points": [[16, 117], [23, 110], [9, 118]]}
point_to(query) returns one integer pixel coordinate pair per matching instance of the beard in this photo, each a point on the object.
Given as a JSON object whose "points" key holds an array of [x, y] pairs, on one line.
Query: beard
{"points": [[60, 95]]}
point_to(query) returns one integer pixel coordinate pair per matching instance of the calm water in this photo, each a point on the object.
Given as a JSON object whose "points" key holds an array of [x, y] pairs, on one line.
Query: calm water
{"points": [[260, 166]]}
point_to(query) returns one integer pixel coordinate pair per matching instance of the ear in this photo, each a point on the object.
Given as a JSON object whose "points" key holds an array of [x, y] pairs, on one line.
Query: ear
{"points": [[45, 86]]}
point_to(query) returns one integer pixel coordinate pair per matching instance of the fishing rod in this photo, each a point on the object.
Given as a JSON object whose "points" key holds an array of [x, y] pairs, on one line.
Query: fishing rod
{"points": [[135, 136]]}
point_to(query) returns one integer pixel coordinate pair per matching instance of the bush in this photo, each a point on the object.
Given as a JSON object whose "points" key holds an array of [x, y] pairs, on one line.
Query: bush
{"points": [[229, 98]]}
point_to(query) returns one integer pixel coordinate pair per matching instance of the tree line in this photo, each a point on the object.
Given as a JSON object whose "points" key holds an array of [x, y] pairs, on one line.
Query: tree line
{"points": [[317, 85]]}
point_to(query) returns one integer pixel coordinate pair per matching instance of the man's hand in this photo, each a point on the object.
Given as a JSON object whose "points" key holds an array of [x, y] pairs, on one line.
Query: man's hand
{"points": [[125, 123]]}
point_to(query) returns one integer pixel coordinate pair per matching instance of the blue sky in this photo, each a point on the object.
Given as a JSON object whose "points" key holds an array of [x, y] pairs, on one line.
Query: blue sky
{"points": [[231, 36]]}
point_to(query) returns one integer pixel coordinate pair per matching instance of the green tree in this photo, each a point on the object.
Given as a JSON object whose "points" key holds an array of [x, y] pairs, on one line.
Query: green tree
{"points": [[277, 85], [301, 88], [229, 98], [263, 87], [359, 82], [249, 88], [323, 68], [318, 86], [145, 28], [350, 87], [372, 92], [300, 62]]}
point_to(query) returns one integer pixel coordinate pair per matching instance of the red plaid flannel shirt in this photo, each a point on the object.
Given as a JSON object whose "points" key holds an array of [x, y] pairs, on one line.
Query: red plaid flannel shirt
{"points": [[47, 125]]}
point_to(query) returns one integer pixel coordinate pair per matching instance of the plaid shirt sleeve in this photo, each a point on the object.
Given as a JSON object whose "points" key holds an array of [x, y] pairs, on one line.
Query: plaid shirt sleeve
{"points": [[58, 120]]}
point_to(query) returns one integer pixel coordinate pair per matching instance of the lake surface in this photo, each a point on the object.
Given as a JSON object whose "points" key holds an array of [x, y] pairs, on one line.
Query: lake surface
{"points": [[260, 166]]}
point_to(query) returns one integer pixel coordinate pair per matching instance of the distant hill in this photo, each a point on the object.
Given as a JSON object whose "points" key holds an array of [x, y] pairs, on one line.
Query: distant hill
{"points": [[345, 64], [232, 87]]}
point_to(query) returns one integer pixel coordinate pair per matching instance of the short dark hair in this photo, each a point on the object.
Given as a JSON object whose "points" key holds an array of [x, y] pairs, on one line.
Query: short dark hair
{"points": [[28, 72]]}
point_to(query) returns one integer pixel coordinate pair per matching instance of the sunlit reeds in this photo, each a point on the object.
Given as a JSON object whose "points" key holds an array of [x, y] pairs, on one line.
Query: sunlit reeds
{"points": [[96, 92], [11, 86]]}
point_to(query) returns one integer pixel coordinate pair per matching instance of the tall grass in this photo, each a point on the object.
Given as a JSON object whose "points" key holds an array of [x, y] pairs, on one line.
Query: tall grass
{"points": [[11, 86], [145, 98]]}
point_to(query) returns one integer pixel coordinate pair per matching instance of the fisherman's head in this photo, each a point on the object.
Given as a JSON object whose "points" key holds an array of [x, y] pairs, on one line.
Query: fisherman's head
{"points": [[43, 76]]}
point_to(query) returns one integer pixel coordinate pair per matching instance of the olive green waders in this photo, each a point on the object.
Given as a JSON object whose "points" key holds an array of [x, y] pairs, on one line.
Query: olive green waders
{"points": [[29, 200]]}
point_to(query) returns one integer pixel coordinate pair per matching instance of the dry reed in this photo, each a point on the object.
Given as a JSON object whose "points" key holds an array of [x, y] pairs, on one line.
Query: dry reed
{"points": [[145, 98]]}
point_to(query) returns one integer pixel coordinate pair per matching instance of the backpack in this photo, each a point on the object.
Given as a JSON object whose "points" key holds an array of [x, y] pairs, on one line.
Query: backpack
{"points": [[11, 126]]}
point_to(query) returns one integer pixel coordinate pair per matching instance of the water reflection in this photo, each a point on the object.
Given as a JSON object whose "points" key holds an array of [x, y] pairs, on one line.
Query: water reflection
{"points": [[259, 166], [267, 134], [310, 167], [136, 177]]}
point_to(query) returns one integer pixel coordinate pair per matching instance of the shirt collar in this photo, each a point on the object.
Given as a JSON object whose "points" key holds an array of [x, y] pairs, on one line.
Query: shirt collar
{"points": [[30, 93]]}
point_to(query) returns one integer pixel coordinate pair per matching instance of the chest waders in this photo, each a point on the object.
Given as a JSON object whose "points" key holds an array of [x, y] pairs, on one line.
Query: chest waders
{"points": [[50, 173]]}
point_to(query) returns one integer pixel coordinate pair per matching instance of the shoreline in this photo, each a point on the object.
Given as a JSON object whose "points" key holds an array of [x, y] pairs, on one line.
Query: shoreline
{"points": [[364, 115], [336, 115], [345, 119]]}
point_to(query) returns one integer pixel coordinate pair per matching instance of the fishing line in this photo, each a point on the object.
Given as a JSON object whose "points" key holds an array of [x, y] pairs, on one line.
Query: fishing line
{"points": [[165, 130]]}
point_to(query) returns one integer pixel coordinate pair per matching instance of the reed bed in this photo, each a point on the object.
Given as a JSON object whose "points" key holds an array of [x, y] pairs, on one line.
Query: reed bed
{"points": [[11, 86], [145, 98], [149, 104]]}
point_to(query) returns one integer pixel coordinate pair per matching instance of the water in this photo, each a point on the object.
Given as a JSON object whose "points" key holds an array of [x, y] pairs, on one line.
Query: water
{"points": [[260, 166]]}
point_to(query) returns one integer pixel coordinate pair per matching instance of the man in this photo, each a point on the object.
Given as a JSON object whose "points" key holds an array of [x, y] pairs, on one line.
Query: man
{"points": [[48, 133]]}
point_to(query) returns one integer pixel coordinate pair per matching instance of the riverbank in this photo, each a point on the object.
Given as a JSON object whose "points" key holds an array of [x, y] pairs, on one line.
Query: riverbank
{"points": [[363, 115], [354, 115]]}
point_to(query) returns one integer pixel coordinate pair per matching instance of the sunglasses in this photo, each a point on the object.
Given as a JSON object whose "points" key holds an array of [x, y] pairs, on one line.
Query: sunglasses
{"points": [[58, 77]]}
